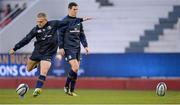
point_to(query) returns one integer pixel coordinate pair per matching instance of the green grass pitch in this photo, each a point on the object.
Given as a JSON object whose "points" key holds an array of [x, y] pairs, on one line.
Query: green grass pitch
{"points": [[57, 96]]}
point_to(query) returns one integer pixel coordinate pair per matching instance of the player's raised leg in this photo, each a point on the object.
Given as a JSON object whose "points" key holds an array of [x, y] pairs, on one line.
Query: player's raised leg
{"points": [[31, 64], [45, 66]]}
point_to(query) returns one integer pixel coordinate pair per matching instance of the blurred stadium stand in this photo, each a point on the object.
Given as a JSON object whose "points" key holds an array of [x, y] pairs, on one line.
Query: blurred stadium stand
{"points": [[165, 28], [11, 9], [117, 29], [124, 26], [105, 3]]}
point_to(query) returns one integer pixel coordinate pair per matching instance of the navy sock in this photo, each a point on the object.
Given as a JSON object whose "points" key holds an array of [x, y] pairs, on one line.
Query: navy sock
{"points": [[70, 77], [73, 83], [68, 80], [40, 81]]}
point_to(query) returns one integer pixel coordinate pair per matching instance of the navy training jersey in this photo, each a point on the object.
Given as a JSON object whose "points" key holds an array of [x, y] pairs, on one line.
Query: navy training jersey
{"points": [[73, 35], [46, 37]]}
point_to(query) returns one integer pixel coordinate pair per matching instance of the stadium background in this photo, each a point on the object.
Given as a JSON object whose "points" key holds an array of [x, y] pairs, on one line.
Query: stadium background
{"points": [[134, 44]]}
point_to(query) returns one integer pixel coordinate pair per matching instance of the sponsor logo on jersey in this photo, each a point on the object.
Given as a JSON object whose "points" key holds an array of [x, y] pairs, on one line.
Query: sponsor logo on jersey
{"points": [[75, 30], [49, 27], [39, 31], [69, 57]]}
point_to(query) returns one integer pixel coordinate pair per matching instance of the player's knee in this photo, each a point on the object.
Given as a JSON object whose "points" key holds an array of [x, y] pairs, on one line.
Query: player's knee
{"points": [[75, 68], [29, 68], [44, 73]]}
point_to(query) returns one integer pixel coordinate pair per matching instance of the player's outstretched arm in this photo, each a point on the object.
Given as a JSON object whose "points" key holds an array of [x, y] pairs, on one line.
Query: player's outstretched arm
{"points": [[87, 18], [78, 20], [25, 40], [64, 23]]}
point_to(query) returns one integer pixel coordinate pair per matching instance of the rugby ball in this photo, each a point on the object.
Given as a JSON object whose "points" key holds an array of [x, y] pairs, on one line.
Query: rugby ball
{"points": [[22, 89], [161, 89]]}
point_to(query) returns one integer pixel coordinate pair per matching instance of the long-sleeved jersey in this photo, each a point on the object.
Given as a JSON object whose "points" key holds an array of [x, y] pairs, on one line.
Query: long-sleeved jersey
{"points": [[46, 37], [72, 36]]}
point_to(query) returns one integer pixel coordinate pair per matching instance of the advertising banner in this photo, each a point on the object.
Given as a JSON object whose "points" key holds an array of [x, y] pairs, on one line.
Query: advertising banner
{"points": [[100, 65]]}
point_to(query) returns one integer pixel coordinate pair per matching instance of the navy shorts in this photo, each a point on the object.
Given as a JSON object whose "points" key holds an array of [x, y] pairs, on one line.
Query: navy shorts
{"points": [[38, 57], [72, 54]]}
